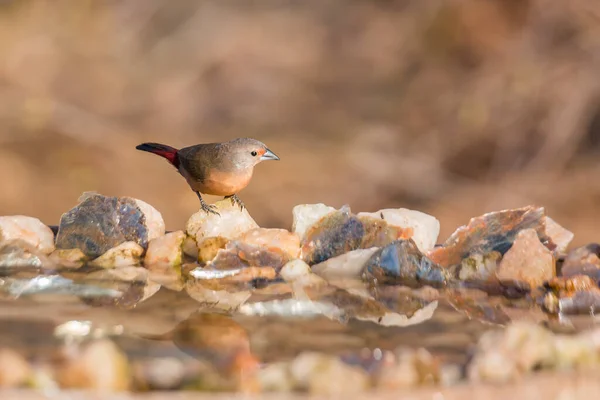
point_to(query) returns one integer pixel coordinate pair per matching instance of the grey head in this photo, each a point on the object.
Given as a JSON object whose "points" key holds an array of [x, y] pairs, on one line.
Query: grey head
{"points": [[247, 152]]}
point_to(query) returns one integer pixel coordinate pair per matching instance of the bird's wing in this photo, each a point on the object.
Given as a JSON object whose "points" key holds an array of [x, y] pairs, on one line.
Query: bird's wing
{"points": [[198, 160]]}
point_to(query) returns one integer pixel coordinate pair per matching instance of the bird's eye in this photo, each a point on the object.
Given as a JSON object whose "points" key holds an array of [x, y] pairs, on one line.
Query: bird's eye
{"points": [[254, 154]]}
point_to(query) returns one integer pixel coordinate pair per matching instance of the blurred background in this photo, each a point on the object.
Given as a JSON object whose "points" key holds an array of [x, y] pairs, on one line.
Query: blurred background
{"points": [[452, 107]]}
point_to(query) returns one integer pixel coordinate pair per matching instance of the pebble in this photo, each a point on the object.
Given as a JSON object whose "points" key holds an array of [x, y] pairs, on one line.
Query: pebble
{"points": [[559, 235], [123, 255], [69, 258], [99, 223], [163, 259], [280, 239], [28, 229], [528, 260], [19, 254], [306, 215], [347, 265], [425, 228]]}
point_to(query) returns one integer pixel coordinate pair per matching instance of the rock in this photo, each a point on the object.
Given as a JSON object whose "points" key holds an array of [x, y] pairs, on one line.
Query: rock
{"points": [[494, 231], [322, 374], [276, 377], [306, 215], [402, 263], [503, 355], [425, 228], [333, 235], [299, 272], [230, 224], [19, 254], [279, 239], [68, 258], [164, 258], [348, 265], [209, 248], [190, 248], [581, 302], [559, 235], [583, 261], [123, 255], [528, 260], [238, 255], [578, 351], [163, 373], [15, 371], [379, 233], [479, 267], [99, 223], [155, 223], [412, 368], [28, 229], [100, 365]]}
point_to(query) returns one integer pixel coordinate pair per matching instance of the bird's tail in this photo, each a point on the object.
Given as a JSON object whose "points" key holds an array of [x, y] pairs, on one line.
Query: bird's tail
{"points": [[168, 152]]}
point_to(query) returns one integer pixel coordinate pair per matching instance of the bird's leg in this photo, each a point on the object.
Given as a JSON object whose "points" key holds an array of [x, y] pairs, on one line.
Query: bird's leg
{"points": [[209, 208], [236, 200]]}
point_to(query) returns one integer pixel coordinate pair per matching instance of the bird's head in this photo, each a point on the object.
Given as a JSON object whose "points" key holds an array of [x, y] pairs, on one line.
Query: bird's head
{"points": [[246, 152]]}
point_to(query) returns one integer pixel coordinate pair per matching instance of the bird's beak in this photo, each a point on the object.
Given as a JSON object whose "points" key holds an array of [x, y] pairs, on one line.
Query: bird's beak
{"points": [[269, 155]]}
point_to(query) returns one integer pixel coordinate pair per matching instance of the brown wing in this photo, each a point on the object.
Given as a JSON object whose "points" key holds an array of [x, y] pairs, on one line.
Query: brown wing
{"points": [[199, 159]]}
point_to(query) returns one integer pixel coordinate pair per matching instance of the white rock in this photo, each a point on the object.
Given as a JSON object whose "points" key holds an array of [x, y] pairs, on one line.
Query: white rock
{"points": [[28, 229], [306, 215], [163, 259], [559, 235], [426, 228], [125, 254], [348, 265], [325, 374], [230, 224], [154, 220], [68, 258]]}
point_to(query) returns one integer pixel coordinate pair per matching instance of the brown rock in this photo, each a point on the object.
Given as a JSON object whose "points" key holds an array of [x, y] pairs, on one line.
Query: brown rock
{"points": [[559, 235], [583, 260], [209, 248], [280, 239], [527, 260]]}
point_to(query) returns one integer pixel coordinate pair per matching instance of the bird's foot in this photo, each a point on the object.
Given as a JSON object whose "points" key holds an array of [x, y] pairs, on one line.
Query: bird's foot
{"points": [[208, 208], [236, 200]]}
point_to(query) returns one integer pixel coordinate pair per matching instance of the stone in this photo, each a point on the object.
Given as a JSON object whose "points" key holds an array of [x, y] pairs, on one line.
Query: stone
{"points": [[100, 365], [209, 248], [163, 259], [559, 235], [276, 377], [425, 228], [68, 258], [297, 271], [479, 266], [347, 265], [495, 231], [333, 235], [217, 298], [322, 374], [578, 351], [19, 254], [502, 356], [280, 239], [124, 255], [190, 247], [528, 260], [238, 255], [162, 373], [99, 223], [28, 229], [584, 260], [306, 215], [15, 371], [230, 224], [141, 287], [379, 233], [584, 302], [410, 369], [402, 263]]}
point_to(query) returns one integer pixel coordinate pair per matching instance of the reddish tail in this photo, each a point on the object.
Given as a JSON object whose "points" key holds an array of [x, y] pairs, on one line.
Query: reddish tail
{"points": [[168, 152]]}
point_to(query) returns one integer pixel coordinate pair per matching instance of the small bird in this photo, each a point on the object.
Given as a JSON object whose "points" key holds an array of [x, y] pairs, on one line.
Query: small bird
{"points": [[220, 169]]}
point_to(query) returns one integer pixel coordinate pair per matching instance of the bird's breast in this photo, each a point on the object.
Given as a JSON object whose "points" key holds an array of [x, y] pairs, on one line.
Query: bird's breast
{"points": [[221, 183]]}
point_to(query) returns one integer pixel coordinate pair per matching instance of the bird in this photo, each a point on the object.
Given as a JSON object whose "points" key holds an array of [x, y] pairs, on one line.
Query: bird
{"points": [[220, 169]]}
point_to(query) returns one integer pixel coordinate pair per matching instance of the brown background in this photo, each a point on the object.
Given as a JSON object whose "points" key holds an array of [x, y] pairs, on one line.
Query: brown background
{"points": [[451, 107]]}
